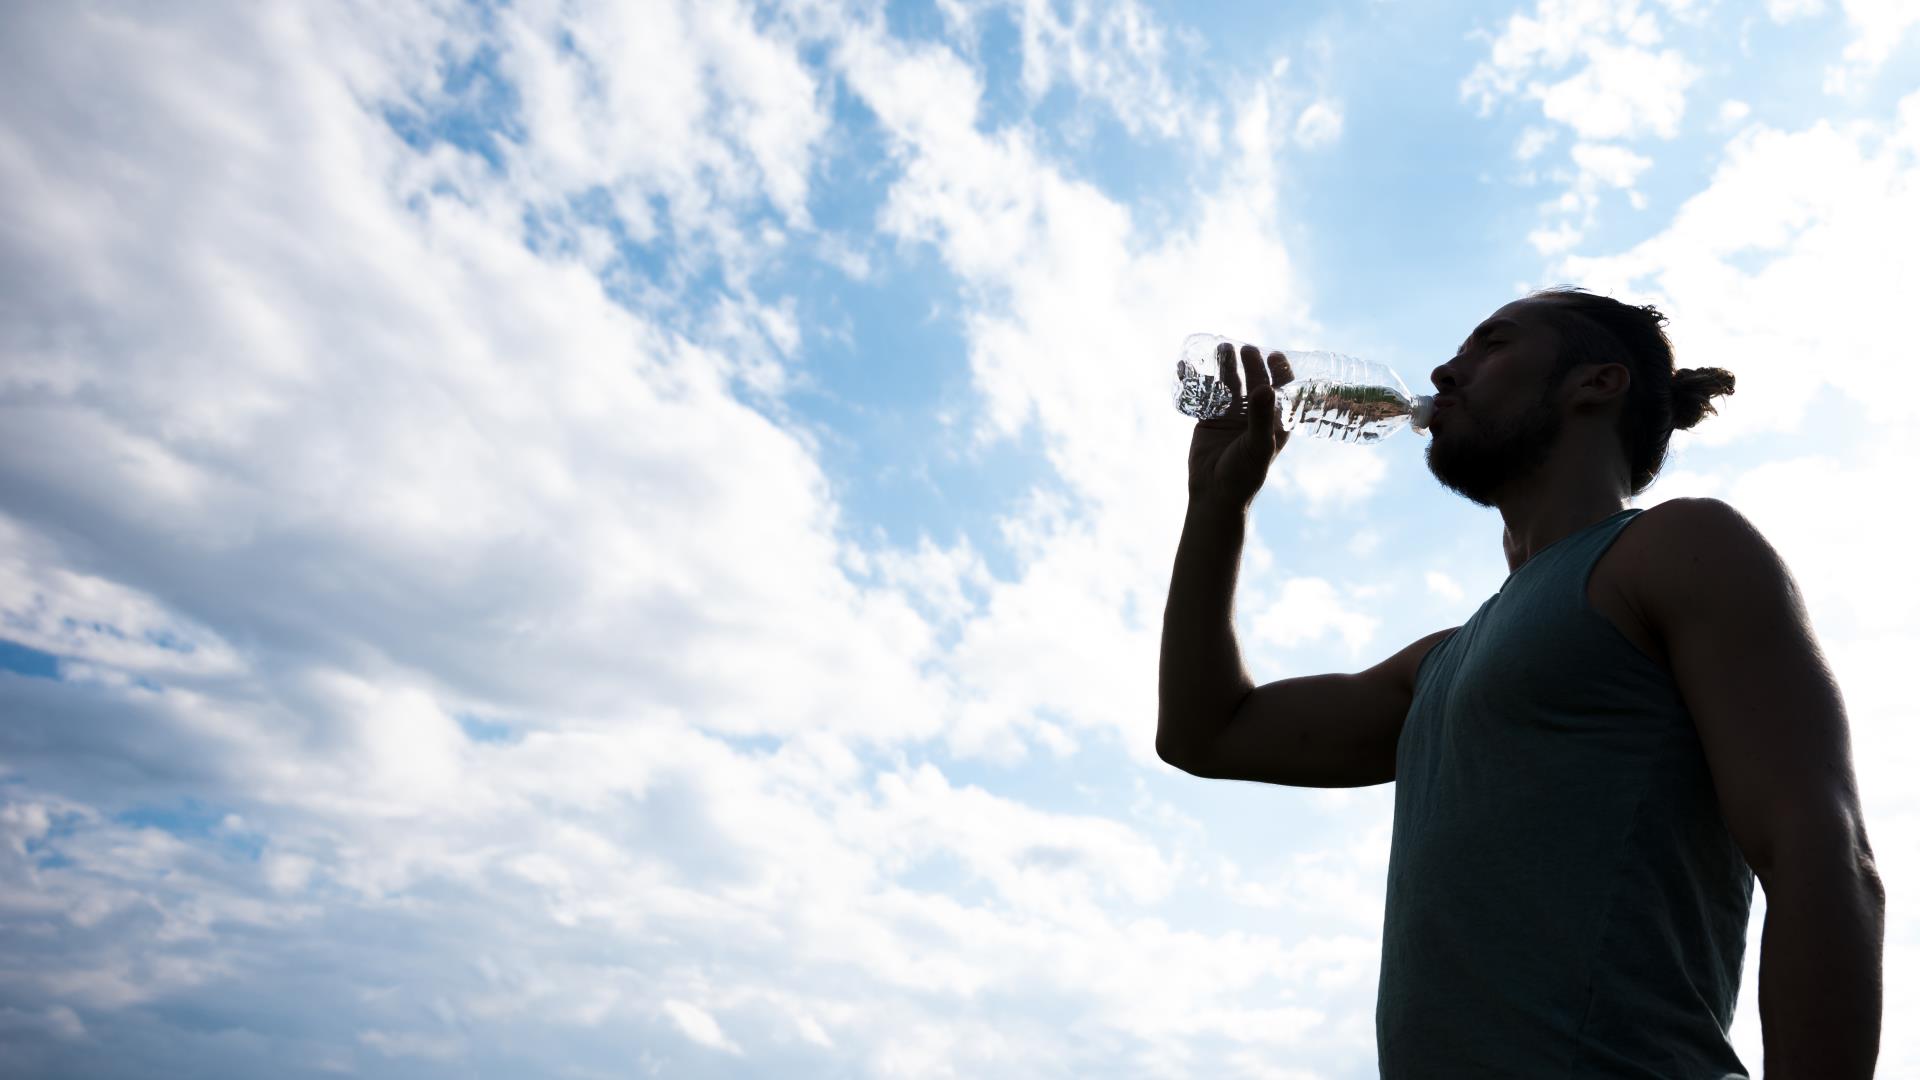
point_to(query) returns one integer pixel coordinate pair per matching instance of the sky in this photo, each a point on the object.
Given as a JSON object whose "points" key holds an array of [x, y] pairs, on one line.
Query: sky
{"points": [[628, 539]]}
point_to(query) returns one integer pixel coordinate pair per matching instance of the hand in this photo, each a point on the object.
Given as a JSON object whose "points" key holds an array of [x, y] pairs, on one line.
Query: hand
{"points": [[1228, 459]]}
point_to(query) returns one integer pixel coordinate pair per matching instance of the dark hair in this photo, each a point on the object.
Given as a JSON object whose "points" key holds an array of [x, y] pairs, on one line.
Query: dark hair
{"points": [[1599, 329]]}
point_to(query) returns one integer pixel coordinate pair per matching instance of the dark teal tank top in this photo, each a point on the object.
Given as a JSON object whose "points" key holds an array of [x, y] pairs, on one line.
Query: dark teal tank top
{"points": [[1563, 897]]}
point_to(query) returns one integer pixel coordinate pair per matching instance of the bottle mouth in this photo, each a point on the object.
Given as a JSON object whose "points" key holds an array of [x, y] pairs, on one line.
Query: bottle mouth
{"points": [[1422, 412]]}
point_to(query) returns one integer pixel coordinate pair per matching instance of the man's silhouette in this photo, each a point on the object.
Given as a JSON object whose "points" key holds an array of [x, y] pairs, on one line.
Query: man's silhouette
{"points": [[1593, 768]]}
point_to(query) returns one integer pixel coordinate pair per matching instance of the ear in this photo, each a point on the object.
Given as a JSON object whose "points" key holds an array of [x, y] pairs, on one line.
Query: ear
{"points": [[1599, 384]]}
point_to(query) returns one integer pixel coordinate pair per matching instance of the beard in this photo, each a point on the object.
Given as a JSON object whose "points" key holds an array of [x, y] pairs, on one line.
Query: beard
{"points": [[1478, 463]]}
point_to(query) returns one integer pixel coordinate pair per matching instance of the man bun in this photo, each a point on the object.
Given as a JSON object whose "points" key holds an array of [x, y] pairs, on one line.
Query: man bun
{"points": [[1693, 392]]}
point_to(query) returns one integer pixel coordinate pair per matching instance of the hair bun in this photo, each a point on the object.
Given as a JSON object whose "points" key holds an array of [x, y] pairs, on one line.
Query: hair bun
{"points": [[1693, 392]]}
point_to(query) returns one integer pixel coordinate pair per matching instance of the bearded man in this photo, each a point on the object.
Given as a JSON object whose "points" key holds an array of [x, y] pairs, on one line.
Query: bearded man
{"points": [[1590, 771]]}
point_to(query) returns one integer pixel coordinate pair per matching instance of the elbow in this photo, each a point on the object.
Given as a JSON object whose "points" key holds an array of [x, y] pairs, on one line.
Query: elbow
{"points": [[1181, 758], [1168, 753], [1172, 754]]}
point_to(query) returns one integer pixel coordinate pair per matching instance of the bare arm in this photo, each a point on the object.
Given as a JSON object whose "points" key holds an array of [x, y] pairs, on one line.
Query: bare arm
{"points": [[1320, 731], [1774, 728], [1315, 731], [1326, 731], [1202, 678]]}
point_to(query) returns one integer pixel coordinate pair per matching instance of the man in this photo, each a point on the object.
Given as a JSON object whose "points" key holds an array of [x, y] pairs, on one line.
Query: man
{"points": [[1593, 768]]}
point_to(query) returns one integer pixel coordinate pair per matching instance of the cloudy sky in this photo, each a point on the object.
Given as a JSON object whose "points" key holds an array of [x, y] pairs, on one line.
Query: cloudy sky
{"points": [[622, 539]]}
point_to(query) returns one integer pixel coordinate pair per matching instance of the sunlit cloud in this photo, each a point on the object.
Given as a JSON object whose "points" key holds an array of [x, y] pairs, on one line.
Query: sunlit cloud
{"points": [[591, 539]]}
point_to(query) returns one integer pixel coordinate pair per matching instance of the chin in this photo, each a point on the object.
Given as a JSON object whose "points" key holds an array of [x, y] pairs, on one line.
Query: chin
{"points": [[1481, 466], [1475, 476]]}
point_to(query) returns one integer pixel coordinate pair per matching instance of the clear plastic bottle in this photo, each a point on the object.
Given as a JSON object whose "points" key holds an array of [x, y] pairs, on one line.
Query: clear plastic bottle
{"points": [[1331, 396]]}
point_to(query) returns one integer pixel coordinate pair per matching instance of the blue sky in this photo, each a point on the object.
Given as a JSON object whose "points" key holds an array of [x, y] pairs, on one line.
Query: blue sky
{"points": [[628, 539]]}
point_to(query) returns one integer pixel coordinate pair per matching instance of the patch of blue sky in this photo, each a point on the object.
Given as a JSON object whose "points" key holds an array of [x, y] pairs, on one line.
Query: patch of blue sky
{"points": [[1153, 175], [481, 730], [168, 640], [477, 108], [668, 277], [1003, 99], [190, 818], [23, 660], [218, 1018], [39, 664], [917, 22], [758, 747], [855, 169], [884, 357], [876, 397], [1781, 69], [1368, 252]]}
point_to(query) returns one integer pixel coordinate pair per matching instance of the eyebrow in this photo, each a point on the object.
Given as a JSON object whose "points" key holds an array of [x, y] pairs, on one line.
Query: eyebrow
{"points": [[1484, 329]]}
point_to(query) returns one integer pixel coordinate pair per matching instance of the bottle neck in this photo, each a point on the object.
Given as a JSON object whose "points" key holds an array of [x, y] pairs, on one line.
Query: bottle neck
{"points": [[1422, 412]]}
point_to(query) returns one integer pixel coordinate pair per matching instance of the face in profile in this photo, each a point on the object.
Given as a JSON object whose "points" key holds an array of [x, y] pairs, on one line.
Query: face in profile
{"points": [[1496, 421]]}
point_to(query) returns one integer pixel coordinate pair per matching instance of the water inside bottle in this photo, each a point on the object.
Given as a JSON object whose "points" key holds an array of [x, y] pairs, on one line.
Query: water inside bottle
{"points": [[1319, 401], [1344, 412]]}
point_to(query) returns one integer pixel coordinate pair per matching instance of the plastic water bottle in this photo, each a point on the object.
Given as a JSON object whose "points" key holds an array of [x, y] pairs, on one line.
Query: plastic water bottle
{"points": [[1332, 396]]}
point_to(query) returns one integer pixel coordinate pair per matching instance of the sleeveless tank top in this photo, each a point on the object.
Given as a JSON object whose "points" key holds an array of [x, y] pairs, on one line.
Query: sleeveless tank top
{"points": [[1563, 897]]}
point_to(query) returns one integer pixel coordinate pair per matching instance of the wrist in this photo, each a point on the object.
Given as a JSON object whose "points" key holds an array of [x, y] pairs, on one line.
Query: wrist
{"points": [[1216, 508]]}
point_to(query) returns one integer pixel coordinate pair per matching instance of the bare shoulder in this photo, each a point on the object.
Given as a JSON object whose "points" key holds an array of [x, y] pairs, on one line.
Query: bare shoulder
{"points": [[1683, 532], [1686, 551]]}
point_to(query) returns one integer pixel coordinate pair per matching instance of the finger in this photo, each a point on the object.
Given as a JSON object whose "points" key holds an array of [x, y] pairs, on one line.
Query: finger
{"points": [[1280, 372], [1230, 371], [1257, 377], [1260, 398], [1278, 368]]}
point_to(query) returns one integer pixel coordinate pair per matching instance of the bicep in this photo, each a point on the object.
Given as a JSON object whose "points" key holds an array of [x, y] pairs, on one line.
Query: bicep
{"points": [[1764, 701], [1325, 731]]}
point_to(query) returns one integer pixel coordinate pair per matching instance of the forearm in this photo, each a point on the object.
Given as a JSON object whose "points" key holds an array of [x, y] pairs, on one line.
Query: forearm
{"points": [[1202, 678], [1820, 973]]}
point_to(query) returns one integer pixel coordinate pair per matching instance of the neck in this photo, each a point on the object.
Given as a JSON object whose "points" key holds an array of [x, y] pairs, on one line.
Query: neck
{"points": [[1583, 482]]}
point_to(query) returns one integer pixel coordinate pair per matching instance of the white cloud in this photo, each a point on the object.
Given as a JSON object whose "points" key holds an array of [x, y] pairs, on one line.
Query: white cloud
{"points": [[1442, 585], [1309, 608], [1623, 92], [1879, 26], [1319, 124], [1614, 166], [695, 106], [1622, 89], [1058, 270], [93, 620], [496, 593], [532, 678], [1331, 477], [700, 1026], [1561, 237], [1533, 141], [1116, 55], [1745, 265]]}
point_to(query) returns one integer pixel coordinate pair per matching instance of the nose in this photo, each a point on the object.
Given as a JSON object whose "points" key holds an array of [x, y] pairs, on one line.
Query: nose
{"points": [[1442, 377]]}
